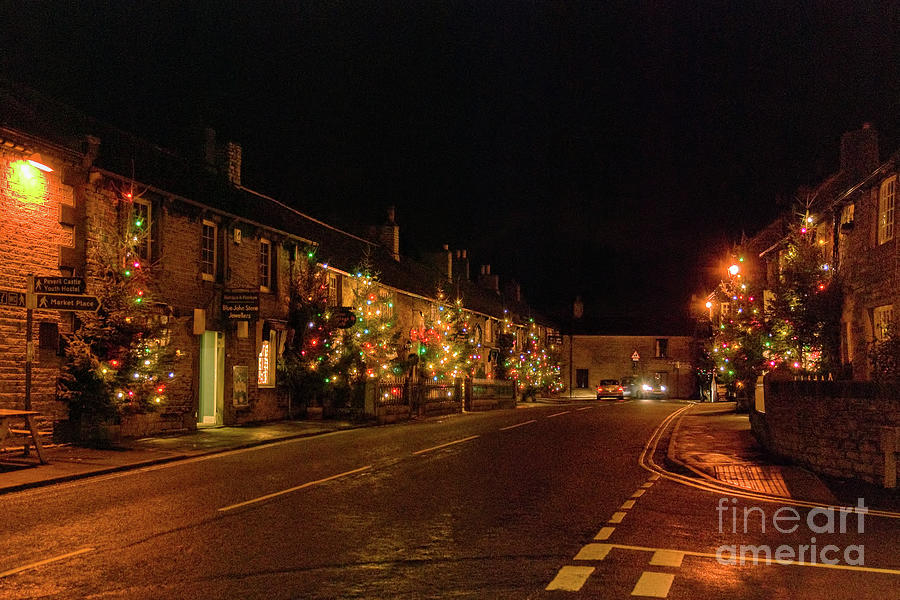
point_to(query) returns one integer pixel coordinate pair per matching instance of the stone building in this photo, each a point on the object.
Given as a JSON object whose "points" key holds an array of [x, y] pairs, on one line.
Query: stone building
{"points": [[588, 359], [211, 241]]}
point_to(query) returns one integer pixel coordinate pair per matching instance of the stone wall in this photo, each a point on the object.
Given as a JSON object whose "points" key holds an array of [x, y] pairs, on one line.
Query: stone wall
{"points": [[831, 427]]}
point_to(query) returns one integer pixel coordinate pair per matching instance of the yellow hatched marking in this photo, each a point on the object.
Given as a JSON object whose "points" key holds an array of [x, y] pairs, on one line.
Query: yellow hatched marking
{"points": [[627, 504], [604, 533], [593, 552], [570, 579], [617, 517], [667, 558], [653, 585], [638, 493]]}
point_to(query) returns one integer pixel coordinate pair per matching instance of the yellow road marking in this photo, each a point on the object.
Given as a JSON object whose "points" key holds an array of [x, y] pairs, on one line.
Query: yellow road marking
{"points": [[593, 552], [570, 579], [518, 425], [471, 437], [604, 533], [647, 485], [646, 461], [667, 558], [638, 494], [293, 489], [762, 560], [627, 504], [565, 412], [46, 561], [617, 517], [653, 585], [654, 477]]}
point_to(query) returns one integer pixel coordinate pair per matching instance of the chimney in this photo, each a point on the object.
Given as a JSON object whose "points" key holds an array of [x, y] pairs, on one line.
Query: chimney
{"points": [[859, 152], [389, 234], [461, 264], [233, 156], [442, 261], [488, 281], [512, 290]]}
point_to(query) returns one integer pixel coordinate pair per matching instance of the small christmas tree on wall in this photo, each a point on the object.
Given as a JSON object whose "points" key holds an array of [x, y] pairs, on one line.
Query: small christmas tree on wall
{"points": [[119, 359]]}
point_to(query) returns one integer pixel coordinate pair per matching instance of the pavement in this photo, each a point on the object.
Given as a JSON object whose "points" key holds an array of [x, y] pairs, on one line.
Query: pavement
{"points": [[714, 442], [710, 441]]}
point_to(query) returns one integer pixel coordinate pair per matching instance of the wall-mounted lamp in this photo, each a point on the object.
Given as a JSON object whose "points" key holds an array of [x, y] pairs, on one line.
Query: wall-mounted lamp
{"points": [[37, 161]]}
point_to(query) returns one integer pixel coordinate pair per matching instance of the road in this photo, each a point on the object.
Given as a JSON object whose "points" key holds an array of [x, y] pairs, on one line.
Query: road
{"points": [[540, 502]]}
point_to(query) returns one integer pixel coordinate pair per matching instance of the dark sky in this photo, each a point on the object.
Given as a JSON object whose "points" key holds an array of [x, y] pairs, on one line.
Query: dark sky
{"points": [[610, 150]]}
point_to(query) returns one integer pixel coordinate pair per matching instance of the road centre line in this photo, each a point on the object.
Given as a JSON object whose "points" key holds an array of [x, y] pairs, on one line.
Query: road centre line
{"points": [[584, 408], [565, 412], [46, 561], [471, 437], [507, 428], [293, 489]]}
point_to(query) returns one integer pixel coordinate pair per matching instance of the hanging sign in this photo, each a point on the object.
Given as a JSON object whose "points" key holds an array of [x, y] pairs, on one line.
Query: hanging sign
{"points": [[240, 305], [343, 317]]}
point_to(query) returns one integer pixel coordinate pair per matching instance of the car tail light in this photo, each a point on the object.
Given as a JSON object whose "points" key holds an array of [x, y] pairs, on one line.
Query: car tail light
{"points": [[621, 389]]}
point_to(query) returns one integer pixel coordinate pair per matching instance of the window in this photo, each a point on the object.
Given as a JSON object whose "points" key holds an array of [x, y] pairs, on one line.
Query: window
{"points": [[334, 290], [662, 348], [266, 367], [881, 321], [847, 214], [265, 265], [886, 196], [141, 216], [208, 251], [581, 378]]}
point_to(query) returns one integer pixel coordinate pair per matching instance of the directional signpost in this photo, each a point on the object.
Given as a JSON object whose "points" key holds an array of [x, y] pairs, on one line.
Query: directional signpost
{"points": [[12, 298], [59, 285], [71, 302]]}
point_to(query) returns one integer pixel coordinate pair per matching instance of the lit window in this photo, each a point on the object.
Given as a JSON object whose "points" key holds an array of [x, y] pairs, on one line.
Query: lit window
{"points": [[886, 196], [266, 367], [847, 214], [882, 317], [208, 251], [141, 216], [265, 265]]}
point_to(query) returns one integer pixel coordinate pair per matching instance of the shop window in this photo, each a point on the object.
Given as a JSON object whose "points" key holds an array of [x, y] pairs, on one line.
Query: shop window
{"points": [[882, 317], [266, 367]]}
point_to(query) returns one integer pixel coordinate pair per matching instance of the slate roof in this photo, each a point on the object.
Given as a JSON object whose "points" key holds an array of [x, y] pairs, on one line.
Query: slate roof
{"points": [[127, 155]]}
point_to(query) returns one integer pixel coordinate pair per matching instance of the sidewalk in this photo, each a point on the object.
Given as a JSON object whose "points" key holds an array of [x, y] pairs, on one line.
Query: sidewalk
{"points": [[69, 462], [714, 442]]}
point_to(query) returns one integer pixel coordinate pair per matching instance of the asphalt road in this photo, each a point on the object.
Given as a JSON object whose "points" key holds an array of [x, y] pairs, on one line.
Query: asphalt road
{"points": [[496, 505]]}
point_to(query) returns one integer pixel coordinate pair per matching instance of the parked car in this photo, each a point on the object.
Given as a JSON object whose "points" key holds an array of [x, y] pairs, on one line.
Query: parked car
{"points": [[631, 388], [654, 389], [610, 388]]}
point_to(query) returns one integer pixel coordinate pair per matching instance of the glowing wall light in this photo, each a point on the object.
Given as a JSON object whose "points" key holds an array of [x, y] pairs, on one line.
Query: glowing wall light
{"points": [[27, 182], [37, 161]]}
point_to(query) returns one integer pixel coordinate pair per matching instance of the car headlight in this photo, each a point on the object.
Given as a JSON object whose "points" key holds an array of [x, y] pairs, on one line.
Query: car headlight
{"points": [[647, 388], [662, 387]]}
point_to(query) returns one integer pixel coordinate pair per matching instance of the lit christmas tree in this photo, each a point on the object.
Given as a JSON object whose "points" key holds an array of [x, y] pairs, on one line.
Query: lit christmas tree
{"points": [[119, 359], [373, 338], [534, 365], [448, 349]]}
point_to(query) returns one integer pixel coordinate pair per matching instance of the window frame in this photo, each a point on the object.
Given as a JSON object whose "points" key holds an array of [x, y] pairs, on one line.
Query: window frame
{"points": [[265, 269], [582, 376], [208, 276], [661, 348], [145, 249], [887, 194]]}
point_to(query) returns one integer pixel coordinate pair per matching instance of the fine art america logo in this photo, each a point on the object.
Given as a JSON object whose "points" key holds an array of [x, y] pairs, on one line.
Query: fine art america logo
{"points": [[788, 520]]}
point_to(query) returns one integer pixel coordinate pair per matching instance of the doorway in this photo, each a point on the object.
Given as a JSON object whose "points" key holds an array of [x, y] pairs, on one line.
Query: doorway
{"points": [[212, 378]]}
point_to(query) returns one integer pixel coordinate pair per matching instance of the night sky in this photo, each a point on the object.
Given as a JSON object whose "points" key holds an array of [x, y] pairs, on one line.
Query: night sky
{"points": [[608, 150]]}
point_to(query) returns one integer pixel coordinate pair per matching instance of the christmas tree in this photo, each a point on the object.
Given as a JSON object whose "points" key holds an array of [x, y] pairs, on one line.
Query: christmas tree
{"points": [[119, 359], [373, 338], [448, 349]]}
